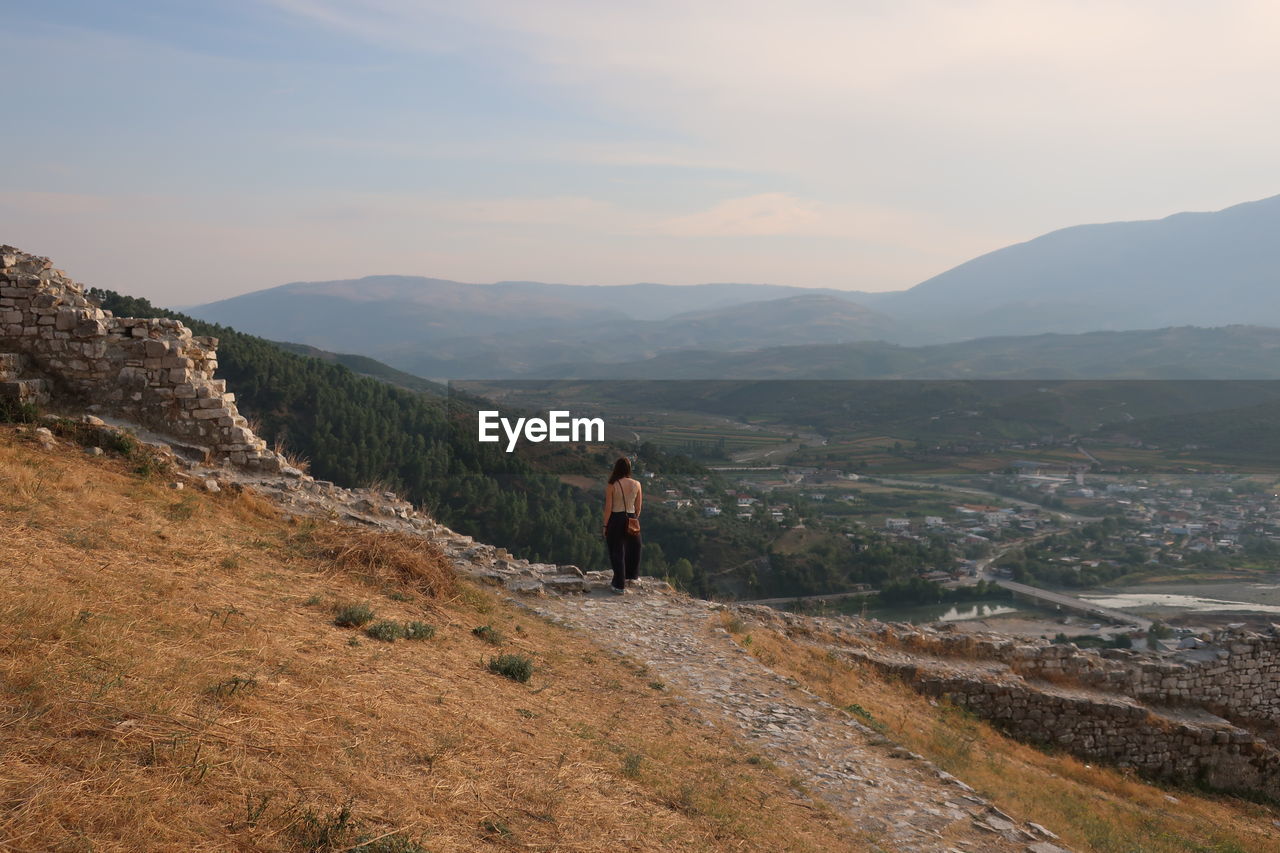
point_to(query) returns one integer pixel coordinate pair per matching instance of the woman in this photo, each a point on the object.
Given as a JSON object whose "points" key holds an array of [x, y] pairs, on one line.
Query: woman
{"points": [[622, 501]]}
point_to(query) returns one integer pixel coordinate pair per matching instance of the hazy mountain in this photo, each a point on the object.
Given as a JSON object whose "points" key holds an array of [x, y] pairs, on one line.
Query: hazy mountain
{"points": [[1234, 352], [808, 318], [815, 318], [648, 301], [434, 327], [1207, 269], [1203, 269], [380, 314]]}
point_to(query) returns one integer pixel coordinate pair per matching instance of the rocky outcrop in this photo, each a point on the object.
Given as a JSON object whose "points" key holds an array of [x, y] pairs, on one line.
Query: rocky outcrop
{"points": [[152, 371]]}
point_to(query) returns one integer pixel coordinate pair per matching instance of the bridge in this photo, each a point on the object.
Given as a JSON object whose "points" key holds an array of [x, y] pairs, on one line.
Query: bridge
{"points": [[1071, 604]]}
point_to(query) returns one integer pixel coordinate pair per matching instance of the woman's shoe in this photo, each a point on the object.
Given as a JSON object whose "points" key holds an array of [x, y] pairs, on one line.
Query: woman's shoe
{"points": [[617, 590]]}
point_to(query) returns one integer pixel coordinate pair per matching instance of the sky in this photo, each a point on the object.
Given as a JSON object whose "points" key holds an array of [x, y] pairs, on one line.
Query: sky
{"points": [[188, 151]]}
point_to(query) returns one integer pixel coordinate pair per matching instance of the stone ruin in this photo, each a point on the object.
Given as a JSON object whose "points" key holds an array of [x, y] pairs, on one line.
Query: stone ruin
{"points": [[1203, 716], [57, 345]]}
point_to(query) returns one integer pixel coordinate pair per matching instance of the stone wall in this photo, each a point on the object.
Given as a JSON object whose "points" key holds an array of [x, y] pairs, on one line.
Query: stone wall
{"points": [[1154, 712], [150, 371], [1235, 674], [1184, 751]]}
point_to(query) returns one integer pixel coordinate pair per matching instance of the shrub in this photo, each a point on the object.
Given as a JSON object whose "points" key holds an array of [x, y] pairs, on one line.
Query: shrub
{"points": [[859, 711], [118, 441], [419, 631], [181, 510], [235, 684], [149, 465], [12, 412], [318, 833], [516, 667], [386, 630], [353, 615], [489, 634]]}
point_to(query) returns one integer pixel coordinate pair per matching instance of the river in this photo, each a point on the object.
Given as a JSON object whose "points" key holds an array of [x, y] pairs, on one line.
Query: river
{"points": [[921, 614]]}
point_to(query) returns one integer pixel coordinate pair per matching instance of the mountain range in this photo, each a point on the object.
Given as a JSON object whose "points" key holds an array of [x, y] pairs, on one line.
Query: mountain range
{"points": [[1020, 310], [1184, 352]]}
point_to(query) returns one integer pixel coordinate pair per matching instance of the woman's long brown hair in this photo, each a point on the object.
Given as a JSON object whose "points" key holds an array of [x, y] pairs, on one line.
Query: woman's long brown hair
{"points": [[621, 470]]}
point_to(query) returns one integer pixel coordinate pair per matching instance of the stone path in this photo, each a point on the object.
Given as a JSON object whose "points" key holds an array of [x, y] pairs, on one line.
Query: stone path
{"points": [[895, 797]]}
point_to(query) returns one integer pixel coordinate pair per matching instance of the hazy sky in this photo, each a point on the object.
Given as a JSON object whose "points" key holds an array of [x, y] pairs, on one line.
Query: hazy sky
{"points": [[187, 150]]}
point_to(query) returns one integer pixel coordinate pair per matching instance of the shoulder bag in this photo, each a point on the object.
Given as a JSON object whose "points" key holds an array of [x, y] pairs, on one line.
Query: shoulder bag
{"points": [[633, 524]]}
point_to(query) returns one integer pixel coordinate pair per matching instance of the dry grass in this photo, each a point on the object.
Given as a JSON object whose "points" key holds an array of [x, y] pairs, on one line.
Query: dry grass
{"points": [[1091, 807], [386, 558], [171, 679], [290, 458]]}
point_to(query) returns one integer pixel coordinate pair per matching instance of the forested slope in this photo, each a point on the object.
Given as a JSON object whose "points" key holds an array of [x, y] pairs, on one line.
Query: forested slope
{"points": [[356, 430]]}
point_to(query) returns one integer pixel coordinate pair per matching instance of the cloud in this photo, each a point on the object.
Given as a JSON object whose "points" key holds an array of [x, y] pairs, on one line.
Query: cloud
{"points": [[850, 143], [761, 55], [881, 100], [763, 215]]}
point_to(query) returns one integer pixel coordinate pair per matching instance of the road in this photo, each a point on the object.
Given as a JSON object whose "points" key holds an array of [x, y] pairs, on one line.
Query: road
{"points": [[970, 490], [1095, 460], [831, 596]]}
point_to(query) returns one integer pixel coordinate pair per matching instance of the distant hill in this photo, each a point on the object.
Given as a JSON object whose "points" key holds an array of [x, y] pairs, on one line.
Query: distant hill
{"points": [[818, 318], [808, 318], [1248, 431], [1233, 352], [1207, 269], [1201, 269], [447, 329], [366, 366], [381, 314]]}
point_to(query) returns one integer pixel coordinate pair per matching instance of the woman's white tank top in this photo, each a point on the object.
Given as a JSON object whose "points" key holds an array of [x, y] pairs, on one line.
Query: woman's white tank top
{"points": [[627, 508]]}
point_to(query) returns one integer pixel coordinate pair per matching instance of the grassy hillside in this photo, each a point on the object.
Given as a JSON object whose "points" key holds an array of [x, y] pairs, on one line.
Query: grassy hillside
{"points": [[171, 678]]}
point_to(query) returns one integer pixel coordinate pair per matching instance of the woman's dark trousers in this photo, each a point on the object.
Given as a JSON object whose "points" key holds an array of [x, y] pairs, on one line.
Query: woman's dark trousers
{"points": [[624, 550]]}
